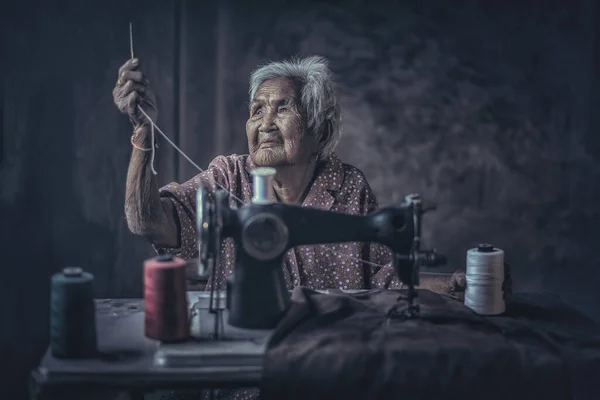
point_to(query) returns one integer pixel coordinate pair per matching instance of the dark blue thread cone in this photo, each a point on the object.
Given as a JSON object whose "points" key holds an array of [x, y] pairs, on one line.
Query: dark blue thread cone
{"points": [[72, 314]]}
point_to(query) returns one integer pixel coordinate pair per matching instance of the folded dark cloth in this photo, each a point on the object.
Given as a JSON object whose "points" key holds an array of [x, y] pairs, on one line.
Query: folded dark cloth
{"points": [[362, 346]]}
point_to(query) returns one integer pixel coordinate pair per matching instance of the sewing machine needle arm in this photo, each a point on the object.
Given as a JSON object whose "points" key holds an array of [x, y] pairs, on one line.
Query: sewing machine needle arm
{"points": [[312, 226], [320, 227]]}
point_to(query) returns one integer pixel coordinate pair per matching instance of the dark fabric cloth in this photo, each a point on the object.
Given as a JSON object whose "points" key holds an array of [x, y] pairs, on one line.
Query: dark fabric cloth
{"points": [[348, 347]]}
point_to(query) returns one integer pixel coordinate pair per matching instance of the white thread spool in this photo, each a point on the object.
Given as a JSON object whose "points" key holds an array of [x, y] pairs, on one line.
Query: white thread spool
{"points": [[263, 185], [484, 279]]}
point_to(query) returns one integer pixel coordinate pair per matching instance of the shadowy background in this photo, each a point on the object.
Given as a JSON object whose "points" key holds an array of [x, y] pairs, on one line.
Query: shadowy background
{"points": [[488, 108]]}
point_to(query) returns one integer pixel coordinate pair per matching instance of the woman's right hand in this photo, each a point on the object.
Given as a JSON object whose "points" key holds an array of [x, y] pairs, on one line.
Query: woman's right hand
{"points": [[133, 89]]}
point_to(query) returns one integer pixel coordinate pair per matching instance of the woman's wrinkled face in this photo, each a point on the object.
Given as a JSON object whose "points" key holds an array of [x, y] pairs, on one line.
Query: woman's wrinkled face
{"points": [[275, 129]]}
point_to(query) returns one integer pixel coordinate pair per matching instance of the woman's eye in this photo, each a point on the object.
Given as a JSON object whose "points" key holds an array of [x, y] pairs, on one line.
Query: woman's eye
{"points": [[258, 112], [283, 109]]}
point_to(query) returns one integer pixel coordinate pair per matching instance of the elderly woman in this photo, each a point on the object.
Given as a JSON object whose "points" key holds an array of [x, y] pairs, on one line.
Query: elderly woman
{"points": [[293, 125]]}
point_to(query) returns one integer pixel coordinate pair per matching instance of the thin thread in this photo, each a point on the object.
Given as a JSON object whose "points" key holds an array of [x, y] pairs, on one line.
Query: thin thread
{"points": [[154, 126], [153, 146], [153, 141]]}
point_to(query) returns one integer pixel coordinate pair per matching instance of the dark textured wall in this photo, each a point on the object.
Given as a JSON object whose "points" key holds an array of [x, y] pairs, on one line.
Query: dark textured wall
{"points": [[65, 159], [485, 110]]}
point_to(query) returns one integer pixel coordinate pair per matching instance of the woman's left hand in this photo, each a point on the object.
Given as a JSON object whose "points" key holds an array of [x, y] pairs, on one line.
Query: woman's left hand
{"points": [[453, 285], [456, 284]]}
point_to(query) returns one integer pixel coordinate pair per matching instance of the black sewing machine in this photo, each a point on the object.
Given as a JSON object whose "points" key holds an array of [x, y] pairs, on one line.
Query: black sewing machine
{"points": [[265, 230]]}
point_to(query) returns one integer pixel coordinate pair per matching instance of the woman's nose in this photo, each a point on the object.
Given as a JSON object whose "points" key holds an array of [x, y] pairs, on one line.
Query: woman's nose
{"points": [[268, 122]]}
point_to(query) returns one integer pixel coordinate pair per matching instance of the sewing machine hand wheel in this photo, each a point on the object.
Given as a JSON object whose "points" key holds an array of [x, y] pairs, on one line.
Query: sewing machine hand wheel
{"points": [[209, 227]]}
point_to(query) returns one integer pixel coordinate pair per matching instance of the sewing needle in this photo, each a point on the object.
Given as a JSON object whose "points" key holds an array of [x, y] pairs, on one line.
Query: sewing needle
{"points": [[131, 39]]}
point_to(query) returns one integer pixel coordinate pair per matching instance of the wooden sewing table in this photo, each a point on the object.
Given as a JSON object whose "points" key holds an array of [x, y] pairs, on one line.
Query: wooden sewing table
{"points": [[131, 363]]}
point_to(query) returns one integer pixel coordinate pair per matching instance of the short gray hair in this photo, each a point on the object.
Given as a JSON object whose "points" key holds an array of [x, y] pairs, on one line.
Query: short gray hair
{"points": [[317, 96]]}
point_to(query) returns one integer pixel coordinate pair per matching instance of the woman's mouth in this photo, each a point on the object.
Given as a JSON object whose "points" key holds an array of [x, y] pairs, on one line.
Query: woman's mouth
{"points": [[270, 143]]}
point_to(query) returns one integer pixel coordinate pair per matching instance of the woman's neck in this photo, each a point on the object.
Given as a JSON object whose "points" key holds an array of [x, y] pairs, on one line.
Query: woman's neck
{"points": [[292, 183]]}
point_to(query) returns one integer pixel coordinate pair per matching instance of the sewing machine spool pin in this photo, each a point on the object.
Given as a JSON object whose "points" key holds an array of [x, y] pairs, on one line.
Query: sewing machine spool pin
{"points": [[263, 185]]}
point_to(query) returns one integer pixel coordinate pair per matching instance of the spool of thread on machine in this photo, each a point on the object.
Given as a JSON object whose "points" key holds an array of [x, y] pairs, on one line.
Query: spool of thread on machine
{"points": [[484, 279], [165, 299], [72, 314], [263, 185]]}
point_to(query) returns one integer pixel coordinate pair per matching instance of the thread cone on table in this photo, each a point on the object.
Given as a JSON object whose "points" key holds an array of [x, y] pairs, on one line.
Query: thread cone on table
{"points": [[484, 275], [72, 314], [166, 316]]}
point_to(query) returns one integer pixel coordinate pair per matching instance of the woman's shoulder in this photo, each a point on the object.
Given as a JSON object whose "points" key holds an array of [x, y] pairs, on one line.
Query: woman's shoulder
{"points": [[355, 194], [232, 162], [354, 173], [342, 176], [355, 179], [355, 190]]}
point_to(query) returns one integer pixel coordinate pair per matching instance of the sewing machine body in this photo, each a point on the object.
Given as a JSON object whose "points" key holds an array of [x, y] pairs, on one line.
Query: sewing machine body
{"points": [[263, 231]]}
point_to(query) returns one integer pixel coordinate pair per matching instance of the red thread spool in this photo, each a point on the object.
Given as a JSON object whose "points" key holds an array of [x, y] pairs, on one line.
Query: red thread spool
{"points": [[165, 299]]}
